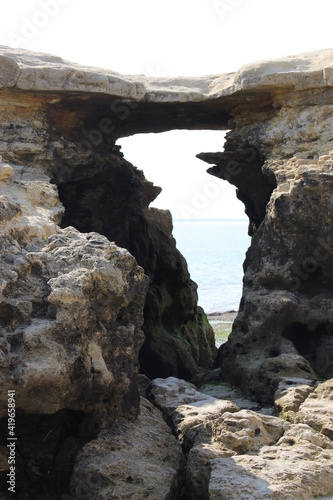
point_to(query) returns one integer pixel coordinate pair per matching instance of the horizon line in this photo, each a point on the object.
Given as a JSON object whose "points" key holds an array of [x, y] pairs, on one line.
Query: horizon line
{"points": [[210, 220]]}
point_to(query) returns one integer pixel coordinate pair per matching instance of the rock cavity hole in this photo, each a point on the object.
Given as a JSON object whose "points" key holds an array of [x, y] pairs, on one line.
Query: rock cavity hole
{"points": [[315, 343]]}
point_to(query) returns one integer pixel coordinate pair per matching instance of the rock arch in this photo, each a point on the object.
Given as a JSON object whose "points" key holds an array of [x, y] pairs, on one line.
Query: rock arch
{"points": [[61, 121]]}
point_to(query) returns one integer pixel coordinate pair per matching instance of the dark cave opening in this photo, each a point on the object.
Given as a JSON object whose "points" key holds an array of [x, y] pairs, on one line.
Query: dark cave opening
{"points": [[315, 344], [303, 339]]}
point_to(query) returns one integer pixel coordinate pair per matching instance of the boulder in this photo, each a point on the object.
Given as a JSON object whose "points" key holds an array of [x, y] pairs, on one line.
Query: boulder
{"points": [[71, 311], [317, 409], [71, 307], [169, 393], [291, 393], [140, 459], [233, 453]]}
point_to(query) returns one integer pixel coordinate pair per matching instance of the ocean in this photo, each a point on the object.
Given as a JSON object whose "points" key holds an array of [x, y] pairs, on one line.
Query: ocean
{"points": [[215, 252]]}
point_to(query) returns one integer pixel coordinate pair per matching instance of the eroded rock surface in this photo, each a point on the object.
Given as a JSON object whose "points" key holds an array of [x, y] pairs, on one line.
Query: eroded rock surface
{"points": [[140, 459], [284, 327], [71, 312], [90, 274], [238, 453], [71, 308], [277, 154], [48, 129], [309, 405]]}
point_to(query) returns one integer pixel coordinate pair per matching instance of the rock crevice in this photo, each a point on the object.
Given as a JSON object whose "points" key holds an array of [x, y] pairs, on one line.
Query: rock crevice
{"points": [[233, 451]]}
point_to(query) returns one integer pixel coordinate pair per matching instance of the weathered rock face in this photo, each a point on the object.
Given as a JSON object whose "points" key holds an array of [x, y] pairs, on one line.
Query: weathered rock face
{"points": [[63, 136], [72, 304], [309, 405], [278, 156], [179, 338], [71, 308], [136, 460], [71, 315], [238, 453], [285, 324]]}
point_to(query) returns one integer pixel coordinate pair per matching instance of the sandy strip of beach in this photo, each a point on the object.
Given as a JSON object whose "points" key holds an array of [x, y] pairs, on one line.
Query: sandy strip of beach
{"points": [[222, 316]]}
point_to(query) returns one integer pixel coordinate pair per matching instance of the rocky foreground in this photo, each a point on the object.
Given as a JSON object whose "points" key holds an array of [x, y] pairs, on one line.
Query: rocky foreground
{"points": [[221, 447], [93, 288]]}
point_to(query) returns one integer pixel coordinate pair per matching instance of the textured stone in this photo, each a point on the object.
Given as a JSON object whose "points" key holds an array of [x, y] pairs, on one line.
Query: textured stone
{"points": [[6, 171], [45, 72], [317, 409], [172, 392], [136, 460], [291, 393], [71, 309], [284, 327], [185, 408], [179, 339], [222, 390], [108, 195], [232, 453], [299, 465], [9, 72], [37, 71], [250, 455]]}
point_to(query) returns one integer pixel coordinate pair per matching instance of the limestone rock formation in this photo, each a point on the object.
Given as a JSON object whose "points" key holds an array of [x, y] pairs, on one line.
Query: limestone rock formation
{"points": [[238, 453], [277, 154], [179, 338], [71, 308], [285, 324], [291, 393], [71, 311], [309, 405], [92, 283], [140, 459], [172, 392], [102, 192]]}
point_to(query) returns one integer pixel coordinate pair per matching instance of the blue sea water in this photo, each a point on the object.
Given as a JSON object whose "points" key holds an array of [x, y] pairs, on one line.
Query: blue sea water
{"points": [[215, 252]]}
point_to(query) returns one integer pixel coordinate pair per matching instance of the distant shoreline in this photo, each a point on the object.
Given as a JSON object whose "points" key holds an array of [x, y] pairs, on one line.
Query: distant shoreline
{"points": [[222, 316], [210, 220]]}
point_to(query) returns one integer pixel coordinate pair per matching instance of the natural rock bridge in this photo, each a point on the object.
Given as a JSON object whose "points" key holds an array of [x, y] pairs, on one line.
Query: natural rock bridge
{"points": [[78, 315]]}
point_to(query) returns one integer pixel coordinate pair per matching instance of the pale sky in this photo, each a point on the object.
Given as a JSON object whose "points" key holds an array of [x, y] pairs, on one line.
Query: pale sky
{"points": [[177, 37]]}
